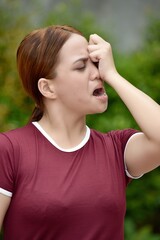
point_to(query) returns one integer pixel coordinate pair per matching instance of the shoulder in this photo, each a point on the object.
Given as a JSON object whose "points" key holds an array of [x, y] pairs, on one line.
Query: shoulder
{"points": [[16, 143], [16, 134], [122, 135], [118, 137], [11, 140], [116, 134]]}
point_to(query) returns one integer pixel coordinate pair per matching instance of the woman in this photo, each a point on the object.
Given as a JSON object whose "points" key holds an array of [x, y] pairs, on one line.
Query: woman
{"points": [[58, 178]]}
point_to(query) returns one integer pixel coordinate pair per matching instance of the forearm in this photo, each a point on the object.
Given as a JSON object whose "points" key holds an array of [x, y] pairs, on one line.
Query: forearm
{"points": [[142, 153], [145, 110]]}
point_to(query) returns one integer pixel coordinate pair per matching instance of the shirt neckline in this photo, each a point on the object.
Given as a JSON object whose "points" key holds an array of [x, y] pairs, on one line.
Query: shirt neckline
{"points": [[51, 140]]}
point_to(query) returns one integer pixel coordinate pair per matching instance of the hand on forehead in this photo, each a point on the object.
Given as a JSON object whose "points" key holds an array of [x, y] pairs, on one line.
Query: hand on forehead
{"points": [[95, 39]]}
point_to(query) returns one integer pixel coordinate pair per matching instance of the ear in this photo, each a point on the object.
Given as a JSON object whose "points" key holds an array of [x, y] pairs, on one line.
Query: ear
{"points": [[46, 87]]}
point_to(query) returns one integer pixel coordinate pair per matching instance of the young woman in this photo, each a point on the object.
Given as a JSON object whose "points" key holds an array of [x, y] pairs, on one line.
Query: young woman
{"points": [[59, 179]]}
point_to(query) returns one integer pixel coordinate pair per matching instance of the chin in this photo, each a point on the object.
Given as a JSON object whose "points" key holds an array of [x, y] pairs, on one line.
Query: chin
{"points": [[99, 110], [102, 109]]}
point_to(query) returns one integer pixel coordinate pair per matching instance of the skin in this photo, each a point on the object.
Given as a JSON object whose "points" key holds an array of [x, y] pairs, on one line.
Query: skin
{"points": [[142, 152], [69, 98], [4, 204]]}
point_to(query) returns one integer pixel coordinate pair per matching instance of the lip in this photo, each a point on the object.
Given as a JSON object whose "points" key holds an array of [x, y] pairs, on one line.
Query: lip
{"points": [[100, 85], [104, 97]]}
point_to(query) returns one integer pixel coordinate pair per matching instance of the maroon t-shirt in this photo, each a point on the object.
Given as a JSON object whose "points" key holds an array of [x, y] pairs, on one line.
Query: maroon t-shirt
{"points": [[60, 195]]}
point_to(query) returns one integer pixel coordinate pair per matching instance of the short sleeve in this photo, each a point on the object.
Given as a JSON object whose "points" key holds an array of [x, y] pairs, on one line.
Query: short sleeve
{"points": [[6, 166], [121, 137]]}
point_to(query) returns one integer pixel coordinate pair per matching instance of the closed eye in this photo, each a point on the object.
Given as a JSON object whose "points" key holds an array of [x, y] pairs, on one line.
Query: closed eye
{"points": [[81, 68], [81, 64]]}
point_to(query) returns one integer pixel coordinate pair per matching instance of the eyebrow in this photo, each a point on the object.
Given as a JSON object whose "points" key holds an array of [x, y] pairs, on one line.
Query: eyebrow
{"points": [[83, 59]]}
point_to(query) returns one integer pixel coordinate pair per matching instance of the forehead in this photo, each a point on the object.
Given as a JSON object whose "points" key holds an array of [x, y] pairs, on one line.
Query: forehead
{"points": [[75, 47]]}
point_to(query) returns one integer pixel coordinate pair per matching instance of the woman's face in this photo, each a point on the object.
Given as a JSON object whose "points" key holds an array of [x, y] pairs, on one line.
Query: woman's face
{"points": [[78, 78]]}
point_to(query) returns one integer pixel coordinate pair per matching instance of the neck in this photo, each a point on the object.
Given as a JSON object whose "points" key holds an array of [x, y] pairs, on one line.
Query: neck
{"points": [[67, 131]]}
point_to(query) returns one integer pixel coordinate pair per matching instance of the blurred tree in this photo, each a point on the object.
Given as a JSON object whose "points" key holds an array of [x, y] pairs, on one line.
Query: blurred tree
{"points": [[141, 68], [13, 101]]}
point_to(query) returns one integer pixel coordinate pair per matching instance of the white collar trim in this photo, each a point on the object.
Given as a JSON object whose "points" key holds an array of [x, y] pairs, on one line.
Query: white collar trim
{"points": [[80, 145]]}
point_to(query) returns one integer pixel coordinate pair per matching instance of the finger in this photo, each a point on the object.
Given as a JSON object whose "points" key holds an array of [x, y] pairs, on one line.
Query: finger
{"points": [[95, 39], [94, 56], [92, 48], [92, 39]]}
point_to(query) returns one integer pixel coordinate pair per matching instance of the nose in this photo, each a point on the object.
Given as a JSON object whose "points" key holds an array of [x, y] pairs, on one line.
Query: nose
{"points": [[94, 71]]}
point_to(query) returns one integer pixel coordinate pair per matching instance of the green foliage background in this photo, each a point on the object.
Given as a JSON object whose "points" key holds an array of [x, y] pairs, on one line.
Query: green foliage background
{"points": [[142, 68]]}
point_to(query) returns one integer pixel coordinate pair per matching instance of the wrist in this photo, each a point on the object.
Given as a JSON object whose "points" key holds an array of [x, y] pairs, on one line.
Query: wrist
{"points": [[111, 76]]}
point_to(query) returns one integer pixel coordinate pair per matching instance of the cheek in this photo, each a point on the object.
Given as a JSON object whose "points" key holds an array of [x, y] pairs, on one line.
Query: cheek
{"points": [[73, 83]]}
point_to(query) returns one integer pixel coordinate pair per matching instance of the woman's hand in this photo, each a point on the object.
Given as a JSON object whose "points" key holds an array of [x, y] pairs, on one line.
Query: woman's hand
{"points": [[142, 153], [100, 51]]}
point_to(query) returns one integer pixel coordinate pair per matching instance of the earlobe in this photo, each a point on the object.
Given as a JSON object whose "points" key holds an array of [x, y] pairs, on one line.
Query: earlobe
{"points": [[46, 88]]}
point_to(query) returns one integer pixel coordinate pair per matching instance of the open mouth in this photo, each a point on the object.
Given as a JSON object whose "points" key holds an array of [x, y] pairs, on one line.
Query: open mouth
{"points": [[99, 92]]}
